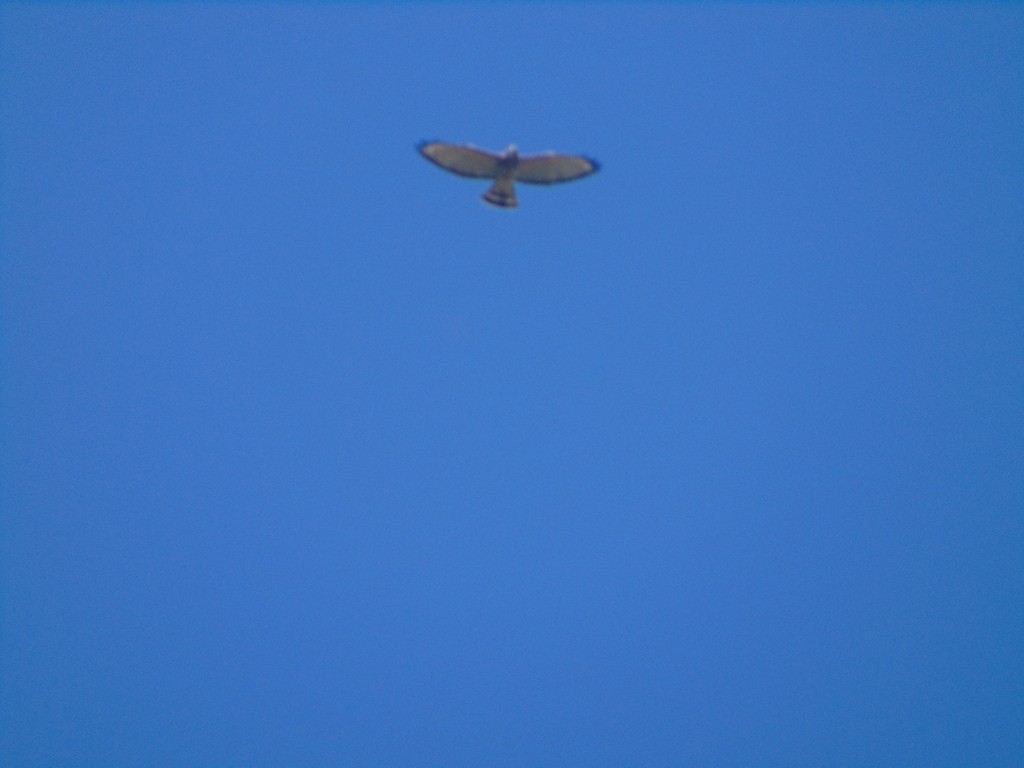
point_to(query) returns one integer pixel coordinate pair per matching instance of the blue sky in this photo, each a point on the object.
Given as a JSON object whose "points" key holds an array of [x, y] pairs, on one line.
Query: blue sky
{"points": [[311, 458]]}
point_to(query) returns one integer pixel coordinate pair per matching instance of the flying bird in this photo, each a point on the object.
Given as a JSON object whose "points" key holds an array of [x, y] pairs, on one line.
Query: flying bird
{"points": [[506, 168]]}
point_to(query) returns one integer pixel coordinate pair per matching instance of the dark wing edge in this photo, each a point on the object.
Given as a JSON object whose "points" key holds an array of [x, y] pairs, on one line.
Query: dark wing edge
{"points": [[423, 148], [588, 166]]}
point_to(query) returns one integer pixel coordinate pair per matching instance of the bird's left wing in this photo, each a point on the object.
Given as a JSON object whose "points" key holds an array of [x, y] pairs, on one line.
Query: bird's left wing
{"points": [[465, 161], [552, 168]]}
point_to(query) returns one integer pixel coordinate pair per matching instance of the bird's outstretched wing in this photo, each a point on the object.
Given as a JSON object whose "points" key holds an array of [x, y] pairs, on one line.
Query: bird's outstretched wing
{"points": [[552, 168], [465, 161]]}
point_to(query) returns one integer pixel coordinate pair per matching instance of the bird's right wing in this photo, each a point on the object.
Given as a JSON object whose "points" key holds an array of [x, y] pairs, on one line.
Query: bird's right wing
{"points": [[552, 168], [464, 161]]}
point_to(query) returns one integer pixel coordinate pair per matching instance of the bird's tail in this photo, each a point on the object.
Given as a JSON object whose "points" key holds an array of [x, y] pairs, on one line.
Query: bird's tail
{"points": [[502, 193]]}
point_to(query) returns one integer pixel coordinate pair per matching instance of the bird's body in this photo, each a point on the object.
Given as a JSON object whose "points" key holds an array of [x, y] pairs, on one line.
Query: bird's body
{"points": [[506, 168], [503, 191]]}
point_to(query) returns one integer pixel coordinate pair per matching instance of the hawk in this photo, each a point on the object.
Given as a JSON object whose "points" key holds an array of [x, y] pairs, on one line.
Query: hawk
{"points": [[506, 168]]}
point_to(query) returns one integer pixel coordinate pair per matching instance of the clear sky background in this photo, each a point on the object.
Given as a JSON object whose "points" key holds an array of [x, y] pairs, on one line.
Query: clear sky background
{"points": [[311, 458]]}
